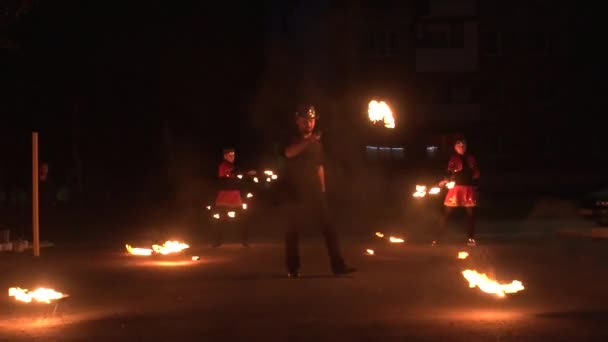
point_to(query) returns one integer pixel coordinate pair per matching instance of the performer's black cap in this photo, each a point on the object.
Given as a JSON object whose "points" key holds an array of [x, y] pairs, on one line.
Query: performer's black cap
{"points": [[228, 150], [307, 112]]}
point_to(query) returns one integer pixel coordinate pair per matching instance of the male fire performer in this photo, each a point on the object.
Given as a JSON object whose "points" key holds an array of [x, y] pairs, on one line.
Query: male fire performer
{"points": [[464, 172], [305, 186], [229, 195]]}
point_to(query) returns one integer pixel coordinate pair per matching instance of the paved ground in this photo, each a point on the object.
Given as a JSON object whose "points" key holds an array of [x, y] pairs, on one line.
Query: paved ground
{"points": [[404, 292]]}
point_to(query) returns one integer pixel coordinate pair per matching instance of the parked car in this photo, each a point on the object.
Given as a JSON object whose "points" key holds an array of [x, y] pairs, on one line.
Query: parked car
{"points": [[595, 207]]}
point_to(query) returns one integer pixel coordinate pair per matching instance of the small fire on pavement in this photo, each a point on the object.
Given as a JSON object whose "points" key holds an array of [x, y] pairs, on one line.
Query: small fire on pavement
{"points": [[196, 258], [420, 191], [491, 286], [381, 112], [463, 255], [396, 240], [370, 251], [138, 251], [231, 214], [170, 247], [40, 295], [380, 235], [249, 195], [244, 206]]}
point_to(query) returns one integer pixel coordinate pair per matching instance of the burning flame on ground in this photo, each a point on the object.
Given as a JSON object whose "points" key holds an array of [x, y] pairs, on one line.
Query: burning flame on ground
{"points": [[216, 216], [40, 295], [208, 207], [396, 240], [195, 258], [488, 285], [370, 251], [268, 172], [274, 176], [380, 235], [249, 195], [239, 176], [170, 247], [463, 255], [268, 179], [231, 214], [138, 251], [256, 180], [380, 111], [244, 206]]}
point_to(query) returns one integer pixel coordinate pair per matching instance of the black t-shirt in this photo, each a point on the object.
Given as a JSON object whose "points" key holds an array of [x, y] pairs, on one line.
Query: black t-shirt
{"points": [[302, 171]]}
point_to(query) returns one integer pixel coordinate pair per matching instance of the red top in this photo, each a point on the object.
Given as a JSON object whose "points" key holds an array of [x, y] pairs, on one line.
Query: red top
{"points": [[228, 198], [463, 168]]}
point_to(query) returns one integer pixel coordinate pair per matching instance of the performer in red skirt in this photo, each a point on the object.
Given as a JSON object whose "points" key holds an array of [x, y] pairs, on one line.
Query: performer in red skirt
{"points": [[463, 171]]}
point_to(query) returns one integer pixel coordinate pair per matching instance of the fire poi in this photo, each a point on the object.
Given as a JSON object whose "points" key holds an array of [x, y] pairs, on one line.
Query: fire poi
{"points": [[370, 251], [381, 112], [40, 295], [380, 235], [463, 255], [491, 286], [396, 240], [139, 251]]}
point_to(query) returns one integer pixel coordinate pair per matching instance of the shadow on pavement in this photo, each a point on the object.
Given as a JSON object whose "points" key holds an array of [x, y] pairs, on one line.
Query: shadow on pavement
{"points": [[576, 314]]}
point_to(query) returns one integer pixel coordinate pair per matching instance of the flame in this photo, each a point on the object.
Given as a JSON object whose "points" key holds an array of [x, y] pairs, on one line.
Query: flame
{"points": [[420, 191], [170, 247], [268, 173], [380, 235], [138, 251], [244, 206], [231, 214], [208, 207], [195, 258], [239, 176], [488, 285], [274, 176], [216, 216], [256, 180], [396, 240], [420, 188], [249, 195], [434, 191], [40, 295], [450, 185], [370, 251], [380, 111], [463, 255], [268, 179]]}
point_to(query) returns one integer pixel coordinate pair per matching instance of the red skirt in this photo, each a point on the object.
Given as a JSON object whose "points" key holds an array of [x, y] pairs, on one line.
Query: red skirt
{"points": [[461, 196], [228, 198]]}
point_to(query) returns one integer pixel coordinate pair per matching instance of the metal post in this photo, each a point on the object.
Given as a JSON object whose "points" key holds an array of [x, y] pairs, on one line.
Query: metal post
{"points": [[35, 207]]}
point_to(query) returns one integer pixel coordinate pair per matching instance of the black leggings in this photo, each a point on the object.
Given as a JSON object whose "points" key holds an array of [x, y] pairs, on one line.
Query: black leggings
{"points": [[471, 220]]}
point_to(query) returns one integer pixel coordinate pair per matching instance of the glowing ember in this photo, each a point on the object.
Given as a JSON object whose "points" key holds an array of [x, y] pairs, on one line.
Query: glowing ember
{"points": [[208, 207], [380, 111], [274, 177], [396, 240], [370, 251], [239, 176], [488, 285], [216, 216], [268, 179], [170, 247], [380, 235], [256, 180], [40, 295], [249, 195], [195, 258], [268, 172], [138, 251], [434, 191], [231, 214], [463, 255], [450, 185], [244, 206]]}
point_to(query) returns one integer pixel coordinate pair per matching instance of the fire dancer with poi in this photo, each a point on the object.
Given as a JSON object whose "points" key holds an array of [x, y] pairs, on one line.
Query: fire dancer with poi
{"points": [[464, 172], [229, 198], [305, 187]]}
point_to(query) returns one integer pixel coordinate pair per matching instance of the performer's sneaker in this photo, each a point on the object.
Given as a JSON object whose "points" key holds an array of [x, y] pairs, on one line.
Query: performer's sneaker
{"points": [[471, 243], [293, 275], [344, 270]]}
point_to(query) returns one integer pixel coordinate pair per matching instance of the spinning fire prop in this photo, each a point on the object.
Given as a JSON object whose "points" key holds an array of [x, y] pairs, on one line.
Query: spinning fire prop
{"points": [[380, 235], [422, 190], [396, 240], [381, 112], [40, 295], [463, 255], [370, 251]]}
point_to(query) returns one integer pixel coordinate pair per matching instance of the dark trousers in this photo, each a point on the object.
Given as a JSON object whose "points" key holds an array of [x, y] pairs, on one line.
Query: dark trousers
{"points": [[226, 223], [446, 215], [317, 213]]}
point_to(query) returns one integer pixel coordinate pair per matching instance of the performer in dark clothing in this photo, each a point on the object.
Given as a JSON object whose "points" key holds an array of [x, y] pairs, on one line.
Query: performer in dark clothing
{"points": [[305, 186], [462, 175]]}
